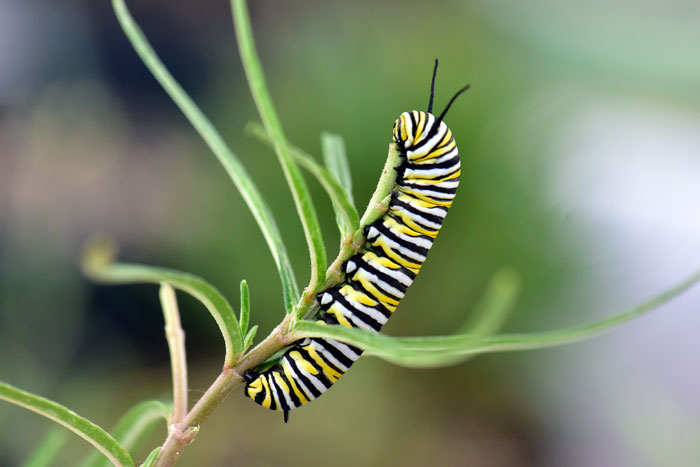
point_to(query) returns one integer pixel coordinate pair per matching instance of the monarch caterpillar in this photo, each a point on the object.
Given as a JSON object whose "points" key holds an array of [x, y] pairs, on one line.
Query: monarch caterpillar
{"points": [[376, 279]]}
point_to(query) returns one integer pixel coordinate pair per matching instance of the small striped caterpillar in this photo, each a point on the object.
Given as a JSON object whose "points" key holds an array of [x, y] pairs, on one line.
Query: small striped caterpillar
{"points": [[377, 278]]}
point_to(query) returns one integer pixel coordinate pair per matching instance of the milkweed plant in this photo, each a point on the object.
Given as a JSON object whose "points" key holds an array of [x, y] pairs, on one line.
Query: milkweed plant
{"points": [[479, 335]]}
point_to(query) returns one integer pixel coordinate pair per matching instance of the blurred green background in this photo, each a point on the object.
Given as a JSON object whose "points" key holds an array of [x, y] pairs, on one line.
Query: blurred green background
{"points": [[580, 142]]}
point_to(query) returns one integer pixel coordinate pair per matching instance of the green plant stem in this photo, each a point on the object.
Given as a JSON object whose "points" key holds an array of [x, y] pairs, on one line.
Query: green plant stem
{"points": [[243, 182], [379, 202], [175, 337], [297, 185]]}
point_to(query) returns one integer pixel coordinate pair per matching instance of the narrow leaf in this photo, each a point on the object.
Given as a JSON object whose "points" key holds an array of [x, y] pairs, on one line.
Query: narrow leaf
{"points": [[335, 159], [447, 350], [98, 265], [250, 336], [151, 459], [342, 201], [82, 427], [234, 168], [268, 114], [45, 453], [134, 427], [245, 307]]}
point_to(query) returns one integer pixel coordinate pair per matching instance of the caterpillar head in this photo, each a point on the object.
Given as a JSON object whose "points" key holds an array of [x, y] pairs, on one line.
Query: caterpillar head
{"points": [[412, 130], [407, 128], [413, 127]]}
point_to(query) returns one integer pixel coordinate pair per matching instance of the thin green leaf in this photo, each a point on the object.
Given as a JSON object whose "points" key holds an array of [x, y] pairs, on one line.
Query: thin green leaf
{"points": [[511, 342], [342, 201], [245, 307], [46, 452], [336, 160], [82, 427], [134, 427], [97, 265], [151, 459], [297, 185], [250, 336], [447, 350], [495, 306], [234, 168]]}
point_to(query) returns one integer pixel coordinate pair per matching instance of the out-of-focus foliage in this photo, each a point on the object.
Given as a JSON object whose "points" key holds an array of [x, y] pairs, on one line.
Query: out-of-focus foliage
{"points": [[579, 141]]}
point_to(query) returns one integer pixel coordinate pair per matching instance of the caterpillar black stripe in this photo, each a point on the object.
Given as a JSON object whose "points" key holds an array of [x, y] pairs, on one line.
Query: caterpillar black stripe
{"points": [[377, 278]]}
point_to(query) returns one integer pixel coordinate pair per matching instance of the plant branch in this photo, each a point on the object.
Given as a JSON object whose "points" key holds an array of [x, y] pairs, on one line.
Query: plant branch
{"points": [[181, 434], [379, 202], [297, 185], [176, 344]]}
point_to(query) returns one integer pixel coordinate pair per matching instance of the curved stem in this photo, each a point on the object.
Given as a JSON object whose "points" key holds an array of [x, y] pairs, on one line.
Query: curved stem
{"points": [[379, 202], [268, 115], [98, 266]]}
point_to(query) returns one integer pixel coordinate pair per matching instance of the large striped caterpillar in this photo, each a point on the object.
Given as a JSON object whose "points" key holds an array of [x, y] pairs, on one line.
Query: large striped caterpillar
{"points": [[376, 279]]}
